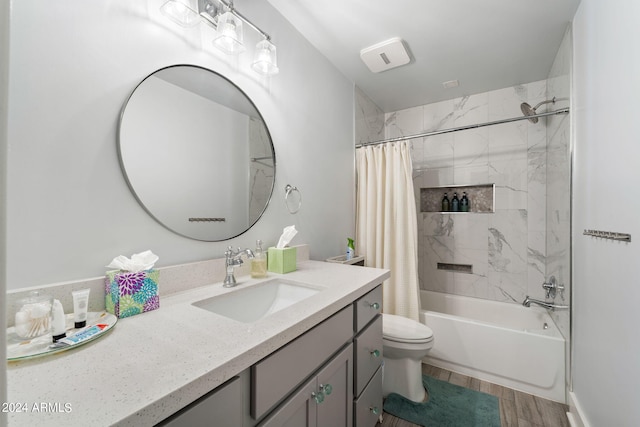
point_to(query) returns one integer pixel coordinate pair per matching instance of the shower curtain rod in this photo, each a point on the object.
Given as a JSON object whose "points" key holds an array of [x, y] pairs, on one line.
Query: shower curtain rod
{"points": [[439, 132]]}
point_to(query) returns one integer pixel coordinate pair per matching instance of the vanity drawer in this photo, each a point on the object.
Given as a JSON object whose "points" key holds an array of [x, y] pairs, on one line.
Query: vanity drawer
{"points": [[278, 374], [223, 404], [368, 407], [368, 307], [368, 354]]}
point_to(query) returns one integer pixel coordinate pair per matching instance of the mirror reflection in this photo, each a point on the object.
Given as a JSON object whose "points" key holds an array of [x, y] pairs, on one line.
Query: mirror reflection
{"points": [[196, 153]]}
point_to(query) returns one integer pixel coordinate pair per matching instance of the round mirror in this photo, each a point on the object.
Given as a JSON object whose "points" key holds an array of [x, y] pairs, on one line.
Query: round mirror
{"points": [[196, 153]]}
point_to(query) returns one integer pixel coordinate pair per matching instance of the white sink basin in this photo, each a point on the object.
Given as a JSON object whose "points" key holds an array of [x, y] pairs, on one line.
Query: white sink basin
{"points": [[249, 305]]}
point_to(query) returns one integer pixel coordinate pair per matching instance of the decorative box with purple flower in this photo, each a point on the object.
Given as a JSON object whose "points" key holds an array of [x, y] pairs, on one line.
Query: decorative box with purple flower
{"points": [[129, 293]]}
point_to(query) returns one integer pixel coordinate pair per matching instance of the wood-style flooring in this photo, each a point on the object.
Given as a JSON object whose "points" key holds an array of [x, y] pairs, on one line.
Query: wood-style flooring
{"points": [[517, 409]]}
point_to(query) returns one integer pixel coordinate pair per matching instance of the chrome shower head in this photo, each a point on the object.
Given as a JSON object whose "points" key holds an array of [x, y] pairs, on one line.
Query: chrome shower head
{"points": [[530, 111]]}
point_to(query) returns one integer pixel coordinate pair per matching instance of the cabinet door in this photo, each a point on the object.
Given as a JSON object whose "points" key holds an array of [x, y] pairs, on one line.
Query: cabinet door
{"points": [[298, 411], [278, 374], [337, 408], [222, 407]]}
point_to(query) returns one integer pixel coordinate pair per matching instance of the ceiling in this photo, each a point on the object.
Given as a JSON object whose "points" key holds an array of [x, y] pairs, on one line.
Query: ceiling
{"points": [[484, 44]]}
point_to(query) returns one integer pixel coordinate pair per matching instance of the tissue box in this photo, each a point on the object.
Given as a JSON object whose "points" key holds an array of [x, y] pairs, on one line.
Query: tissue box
{"points": [[281, 260], [130, 293]]}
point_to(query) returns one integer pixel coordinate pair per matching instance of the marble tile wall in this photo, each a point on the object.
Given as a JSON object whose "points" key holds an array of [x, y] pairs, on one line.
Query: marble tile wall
{"points": [[506, 248], [369, 119]]}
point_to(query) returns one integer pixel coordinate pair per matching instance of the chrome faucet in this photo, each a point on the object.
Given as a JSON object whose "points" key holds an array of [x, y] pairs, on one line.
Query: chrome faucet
{"points": [[234, 259], [548, 305], [551, 287]]}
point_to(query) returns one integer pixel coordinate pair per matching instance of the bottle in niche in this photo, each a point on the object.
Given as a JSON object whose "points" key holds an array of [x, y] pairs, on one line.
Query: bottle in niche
{"points": [[259, 262], [464, 203], [445, 203], [455, 203]]}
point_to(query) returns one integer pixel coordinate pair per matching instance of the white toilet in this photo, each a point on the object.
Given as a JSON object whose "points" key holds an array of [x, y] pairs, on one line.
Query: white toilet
{"points": [[405, 343]]}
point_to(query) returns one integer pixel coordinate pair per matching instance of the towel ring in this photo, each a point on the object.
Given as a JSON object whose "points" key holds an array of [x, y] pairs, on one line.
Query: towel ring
{"points": [[291, 207]]}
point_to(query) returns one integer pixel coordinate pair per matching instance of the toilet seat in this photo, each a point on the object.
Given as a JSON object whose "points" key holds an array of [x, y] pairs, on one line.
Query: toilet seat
{"points": [[402, 330]]}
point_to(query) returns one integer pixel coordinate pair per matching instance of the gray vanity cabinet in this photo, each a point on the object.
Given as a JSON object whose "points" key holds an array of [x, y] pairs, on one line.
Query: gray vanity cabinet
{"points": [[330, 376], [313, 405]]}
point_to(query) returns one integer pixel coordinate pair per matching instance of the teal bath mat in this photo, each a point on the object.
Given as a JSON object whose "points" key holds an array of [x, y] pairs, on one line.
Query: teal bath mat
{"points": [[449, 405]]}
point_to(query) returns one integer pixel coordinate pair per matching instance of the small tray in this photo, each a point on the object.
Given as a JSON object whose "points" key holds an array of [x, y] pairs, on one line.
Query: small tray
{"points": [[20, 349]]}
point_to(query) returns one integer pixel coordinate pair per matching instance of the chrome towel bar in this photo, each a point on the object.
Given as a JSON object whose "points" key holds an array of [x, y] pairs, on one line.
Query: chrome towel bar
{"points": [[612, 235]]}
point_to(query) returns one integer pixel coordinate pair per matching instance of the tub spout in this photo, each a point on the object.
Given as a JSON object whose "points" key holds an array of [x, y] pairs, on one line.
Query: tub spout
{"points": [[549, 306]]}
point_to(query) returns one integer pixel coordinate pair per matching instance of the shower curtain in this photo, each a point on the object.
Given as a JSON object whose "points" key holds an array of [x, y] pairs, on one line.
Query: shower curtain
{"points": [[386, 223]]}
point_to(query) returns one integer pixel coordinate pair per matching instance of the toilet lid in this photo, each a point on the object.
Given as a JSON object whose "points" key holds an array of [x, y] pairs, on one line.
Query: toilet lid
{"points": [[401, 329]]}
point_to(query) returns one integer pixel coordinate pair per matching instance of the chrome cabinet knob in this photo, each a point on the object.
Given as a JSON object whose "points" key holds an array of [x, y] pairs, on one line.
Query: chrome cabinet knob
{"points": [[375, 306], [375, 353]]}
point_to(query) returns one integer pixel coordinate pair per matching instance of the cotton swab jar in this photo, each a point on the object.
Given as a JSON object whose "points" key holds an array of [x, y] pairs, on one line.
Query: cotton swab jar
{"points": [[33, 315]]}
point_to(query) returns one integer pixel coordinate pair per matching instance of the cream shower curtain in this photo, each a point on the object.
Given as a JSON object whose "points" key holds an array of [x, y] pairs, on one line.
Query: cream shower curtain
{"points": [[386, 224]]}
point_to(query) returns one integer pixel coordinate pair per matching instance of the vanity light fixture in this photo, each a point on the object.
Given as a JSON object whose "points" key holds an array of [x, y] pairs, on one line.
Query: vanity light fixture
{"points": [[181, 13], [228, 22], [265, 60], [229, 34]]}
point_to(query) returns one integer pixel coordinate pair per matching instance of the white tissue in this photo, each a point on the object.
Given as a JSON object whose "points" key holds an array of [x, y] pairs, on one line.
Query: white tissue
{"points": [[138, 262], [287, 236]]}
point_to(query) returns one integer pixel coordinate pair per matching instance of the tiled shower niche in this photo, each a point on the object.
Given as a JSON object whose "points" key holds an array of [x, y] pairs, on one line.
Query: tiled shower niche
{"points": [[481, 198]]}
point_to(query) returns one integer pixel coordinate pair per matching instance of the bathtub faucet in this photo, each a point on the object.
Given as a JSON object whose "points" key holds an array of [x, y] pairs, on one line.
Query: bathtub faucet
{"points": [[548, 305]]}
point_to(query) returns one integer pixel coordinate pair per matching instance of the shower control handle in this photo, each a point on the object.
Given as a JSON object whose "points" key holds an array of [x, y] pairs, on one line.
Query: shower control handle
{"points": [[552, 287]]}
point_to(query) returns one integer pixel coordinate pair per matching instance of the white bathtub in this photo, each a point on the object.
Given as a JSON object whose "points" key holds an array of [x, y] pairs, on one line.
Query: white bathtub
{"points": [[502, 343]]}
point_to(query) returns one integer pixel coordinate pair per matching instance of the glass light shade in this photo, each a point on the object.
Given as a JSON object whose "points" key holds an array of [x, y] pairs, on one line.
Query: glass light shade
{"points": [[228, 36], [264, 59], [180, 13]]}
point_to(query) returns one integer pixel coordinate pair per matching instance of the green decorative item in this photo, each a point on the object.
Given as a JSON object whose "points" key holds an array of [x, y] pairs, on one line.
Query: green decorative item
{"points": [[449, 405], [281, 260]]}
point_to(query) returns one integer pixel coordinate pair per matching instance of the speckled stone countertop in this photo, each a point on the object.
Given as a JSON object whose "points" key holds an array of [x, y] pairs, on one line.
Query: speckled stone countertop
{"points": [[153, 364]]}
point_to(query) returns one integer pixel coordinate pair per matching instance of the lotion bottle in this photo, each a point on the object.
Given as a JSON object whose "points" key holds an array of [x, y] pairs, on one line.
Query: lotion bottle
{"points": [[258, 262]]}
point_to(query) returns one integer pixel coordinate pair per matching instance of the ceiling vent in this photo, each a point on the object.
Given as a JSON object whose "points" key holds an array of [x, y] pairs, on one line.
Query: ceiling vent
{"points": [[385, 55]]}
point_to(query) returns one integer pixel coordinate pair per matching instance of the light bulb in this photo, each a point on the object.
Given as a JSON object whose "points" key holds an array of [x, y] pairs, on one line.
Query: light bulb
{"points": [[264, 59], [180, 13], [229, 34]]}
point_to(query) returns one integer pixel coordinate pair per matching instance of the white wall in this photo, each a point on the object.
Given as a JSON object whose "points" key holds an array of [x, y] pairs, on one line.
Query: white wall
{"points": [[73, 65], [606, 79]]}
